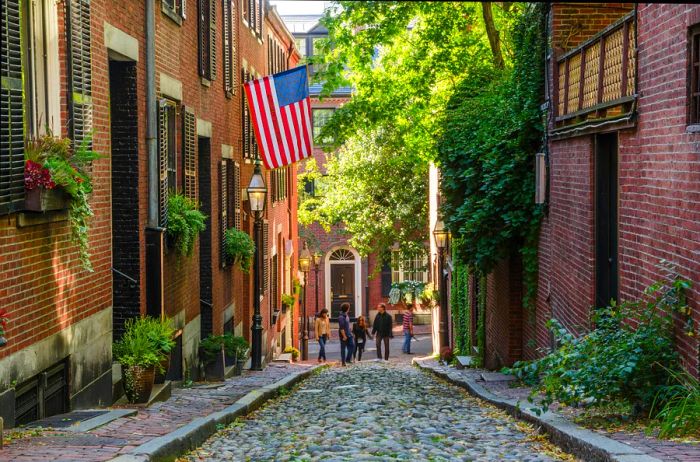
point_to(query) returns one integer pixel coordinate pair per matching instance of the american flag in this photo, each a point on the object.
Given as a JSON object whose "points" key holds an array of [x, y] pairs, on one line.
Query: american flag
{"points": [[280, 108]]}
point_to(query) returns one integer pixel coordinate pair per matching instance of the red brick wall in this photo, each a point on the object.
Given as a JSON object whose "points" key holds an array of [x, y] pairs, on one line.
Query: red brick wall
{"points": [[574, 23], [659, 217]]}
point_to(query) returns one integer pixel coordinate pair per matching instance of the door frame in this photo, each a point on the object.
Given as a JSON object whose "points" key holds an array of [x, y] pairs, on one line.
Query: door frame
{"points": [[606, 149], [358, 276]]}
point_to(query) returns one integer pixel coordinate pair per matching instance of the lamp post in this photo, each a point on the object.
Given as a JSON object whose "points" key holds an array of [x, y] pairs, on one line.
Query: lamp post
{"points": [[257, 197], [441, 238], [317, 264], [304, 266]]}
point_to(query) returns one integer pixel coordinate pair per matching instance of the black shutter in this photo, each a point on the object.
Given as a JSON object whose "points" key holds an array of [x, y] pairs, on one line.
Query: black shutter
{"points": [[386, 279], [163, 163], [212, 40], [246, 120], [266, 256], [229, 12], [237, 195], [81, 69], [223, 213], [189, 145], [11, 109], [203, 29]]}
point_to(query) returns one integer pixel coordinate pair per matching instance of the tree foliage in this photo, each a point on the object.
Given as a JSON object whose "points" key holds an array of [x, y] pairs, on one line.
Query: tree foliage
{"points": [[403, 60], [493, 128]]}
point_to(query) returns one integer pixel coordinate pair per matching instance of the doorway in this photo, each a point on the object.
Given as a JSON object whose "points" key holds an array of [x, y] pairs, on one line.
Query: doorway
{"points": [[342, 288], [606, 261], [205, 264], [124, 133]]}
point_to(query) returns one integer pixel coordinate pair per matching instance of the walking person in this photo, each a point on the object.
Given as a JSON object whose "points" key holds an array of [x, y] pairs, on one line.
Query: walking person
{"points": [[382, 330], [360, 332], [346, 341], [322, 328], [407, 328]]}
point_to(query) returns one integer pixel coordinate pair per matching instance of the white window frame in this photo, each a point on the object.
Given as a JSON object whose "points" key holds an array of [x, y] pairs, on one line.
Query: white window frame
{"points": [[414, 269]]}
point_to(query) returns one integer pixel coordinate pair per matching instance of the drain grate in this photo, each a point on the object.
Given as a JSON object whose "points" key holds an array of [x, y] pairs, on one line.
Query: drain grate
{"points": [[65, 420]]}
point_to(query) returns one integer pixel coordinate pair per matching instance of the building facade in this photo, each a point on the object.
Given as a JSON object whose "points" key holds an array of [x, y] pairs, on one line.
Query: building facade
{"points": [[159, 91]]}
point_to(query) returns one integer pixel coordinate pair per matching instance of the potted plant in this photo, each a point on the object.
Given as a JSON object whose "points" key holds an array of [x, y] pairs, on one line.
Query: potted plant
{"points": [[287, 302], [293, 351], [56, 177], [212, 350], [239, 249], [185, 222], [241, 347], [229, 349], [3, 325], [161, 333], [139, 359]]}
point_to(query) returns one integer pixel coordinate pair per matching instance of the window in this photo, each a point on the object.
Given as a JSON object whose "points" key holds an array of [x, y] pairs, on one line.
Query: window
{"points": [[253, 15], [207, 39], [279, 183], [410, 269], [320, 118], [230, 75], [694, 116], [274, 289], [174, 9], [230, 210], [300, 44], [276, 57], [250, 146]]}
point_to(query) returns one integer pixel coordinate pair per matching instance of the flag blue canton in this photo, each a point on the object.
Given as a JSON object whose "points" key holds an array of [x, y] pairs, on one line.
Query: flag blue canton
{"points": [[291, 86]]}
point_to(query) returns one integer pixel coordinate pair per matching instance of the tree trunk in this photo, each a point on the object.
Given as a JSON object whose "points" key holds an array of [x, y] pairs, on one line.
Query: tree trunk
{"points": [[492, 33]]}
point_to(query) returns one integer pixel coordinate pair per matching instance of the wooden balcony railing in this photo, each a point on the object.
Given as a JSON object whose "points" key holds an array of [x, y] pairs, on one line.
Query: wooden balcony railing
{"points": [[596, 80]]}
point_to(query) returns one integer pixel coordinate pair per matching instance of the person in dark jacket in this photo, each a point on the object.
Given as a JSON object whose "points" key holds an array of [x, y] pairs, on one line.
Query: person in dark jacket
{"points": [[360, 331], [381, 329], [347, 346]]}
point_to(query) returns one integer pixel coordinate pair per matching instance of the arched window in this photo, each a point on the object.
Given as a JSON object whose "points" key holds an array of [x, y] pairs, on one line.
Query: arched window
{"points": [[342, 255]]}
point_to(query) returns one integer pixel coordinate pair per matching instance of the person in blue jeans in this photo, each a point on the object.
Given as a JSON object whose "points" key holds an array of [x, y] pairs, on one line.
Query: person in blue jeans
{"points": [[323, 332], [347, 346], [407, 328]]}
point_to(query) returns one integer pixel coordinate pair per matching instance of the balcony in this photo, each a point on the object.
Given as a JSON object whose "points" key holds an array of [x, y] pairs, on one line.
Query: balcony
{"points": [[595, 83]]}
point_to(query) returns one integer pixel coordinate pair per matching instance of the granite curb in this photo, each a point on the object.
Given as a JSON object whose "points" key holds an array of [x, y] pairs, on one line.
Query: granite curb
{"points": [[169, 446], [581, 442]]}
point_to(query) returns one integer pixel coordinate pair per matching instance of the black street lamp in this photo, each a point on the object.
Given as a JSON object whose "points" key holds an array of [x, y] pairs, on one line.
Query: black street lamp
{"points": [[304, 266], [257, 197], [317, 264], [441, 239]]}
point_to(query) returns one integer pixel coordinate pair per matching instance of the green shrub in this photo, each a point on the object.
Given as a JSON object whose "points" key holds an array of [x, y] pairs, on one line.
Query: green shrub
{"points": [[160, 332], [211, 347], [239, 248], [627, 357], [185, 222], [295, 353], [677, 406], [288, 300], [137, 347]]}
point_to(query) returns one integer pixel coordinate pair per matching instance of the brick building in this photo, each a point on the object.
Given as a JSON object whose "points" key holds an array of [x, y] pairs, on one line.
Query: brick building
{"points": [[84, 66], [618, 175]]}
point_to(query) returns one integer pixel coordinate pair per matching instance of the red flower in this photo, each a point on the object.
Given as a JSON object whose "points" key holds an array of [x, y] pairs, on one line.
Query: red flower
{"points": [[36, 176]]}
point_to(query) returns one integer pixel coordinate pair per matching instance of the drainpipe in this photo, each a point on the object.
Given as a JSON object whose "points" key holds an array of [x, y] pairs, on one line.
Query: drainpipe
{"points": [[154, 233]]}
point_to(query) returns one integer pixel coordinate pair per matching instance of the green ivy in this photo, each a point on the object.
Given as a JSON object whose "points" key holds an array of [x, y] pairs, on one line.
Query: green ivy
{"points": [[185, 222]]}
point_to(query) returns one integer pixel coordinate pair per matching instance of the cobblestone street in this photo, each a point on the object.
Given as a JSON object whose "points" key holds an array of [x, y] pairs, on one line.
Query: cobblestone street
{"points": [[374, 411]]}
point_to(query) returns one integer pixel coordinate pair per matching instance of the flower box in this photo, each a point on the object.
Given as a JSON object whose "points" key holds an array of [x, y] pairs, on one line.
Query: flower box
{"points": [[44, 200]]}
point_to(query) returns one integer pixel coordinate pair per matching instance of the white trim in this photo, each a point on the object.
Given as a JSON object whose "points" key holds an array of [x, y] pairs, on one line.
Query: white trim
{"points": [[358, 276]]}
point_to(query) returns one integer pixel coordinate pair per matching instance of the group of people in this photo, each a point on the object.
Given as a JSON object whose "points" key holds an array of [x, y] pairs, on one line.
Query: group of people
{"points": [[353, 339]]}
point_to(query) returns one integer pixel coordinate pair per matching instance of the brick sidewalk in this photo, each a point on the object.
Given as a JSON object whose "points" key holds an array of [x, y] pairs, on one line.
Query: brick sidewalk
{"points": [[654, 447], [122, 435]]}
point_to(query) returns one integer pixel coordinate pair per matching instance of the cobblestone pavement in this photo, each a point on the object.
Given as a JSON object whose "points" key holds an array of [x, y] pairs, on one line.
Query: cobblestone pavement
{"points": [[122, 435], [374, 411]]}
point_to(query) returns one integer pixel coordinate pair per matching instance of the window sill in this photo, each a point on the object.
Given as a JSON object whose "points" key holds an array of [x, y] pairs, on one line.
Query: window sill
{"points": [[26, 219], [205, 82], [177, 19], [693, 128]]}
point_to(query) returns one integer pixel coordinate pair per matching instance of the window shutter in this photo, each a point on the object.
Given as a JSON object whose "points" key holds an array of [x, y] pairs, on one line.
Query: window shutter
{"points": [[81, 69], [266, 257], [228, 47], [260, 17], [189, 144], [237, 195], [163, 163], [212, 40], [11, 109], [203, 28], [386, 279], [223, 213], [184, 9], [246, 120]]}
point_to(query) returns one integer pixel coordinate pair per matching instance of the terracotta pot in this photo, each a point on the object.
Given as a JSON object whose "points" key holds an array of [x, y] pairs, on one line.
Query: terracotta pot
{"points": [[164, 366], [43, 200], [138, 383]]}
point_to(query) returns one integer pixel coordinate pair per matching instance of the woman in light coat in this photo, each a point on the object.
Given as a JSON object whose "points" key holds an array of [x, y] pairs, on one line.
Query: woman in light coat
{"points": [[323, 331]]}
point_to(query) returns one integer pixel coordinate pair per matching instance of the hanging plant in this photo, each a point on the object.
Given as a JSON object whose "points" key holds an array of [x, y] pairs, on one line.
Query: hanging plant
{"points": [[239, 248], [185, 222], [408, 291], [53, 172], [3, 325]]}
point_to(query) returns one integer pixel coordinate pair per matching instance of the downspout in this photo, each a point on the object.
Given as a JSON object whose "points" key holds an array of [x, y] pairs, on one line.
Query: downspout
{"points": [[151, 115]]}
